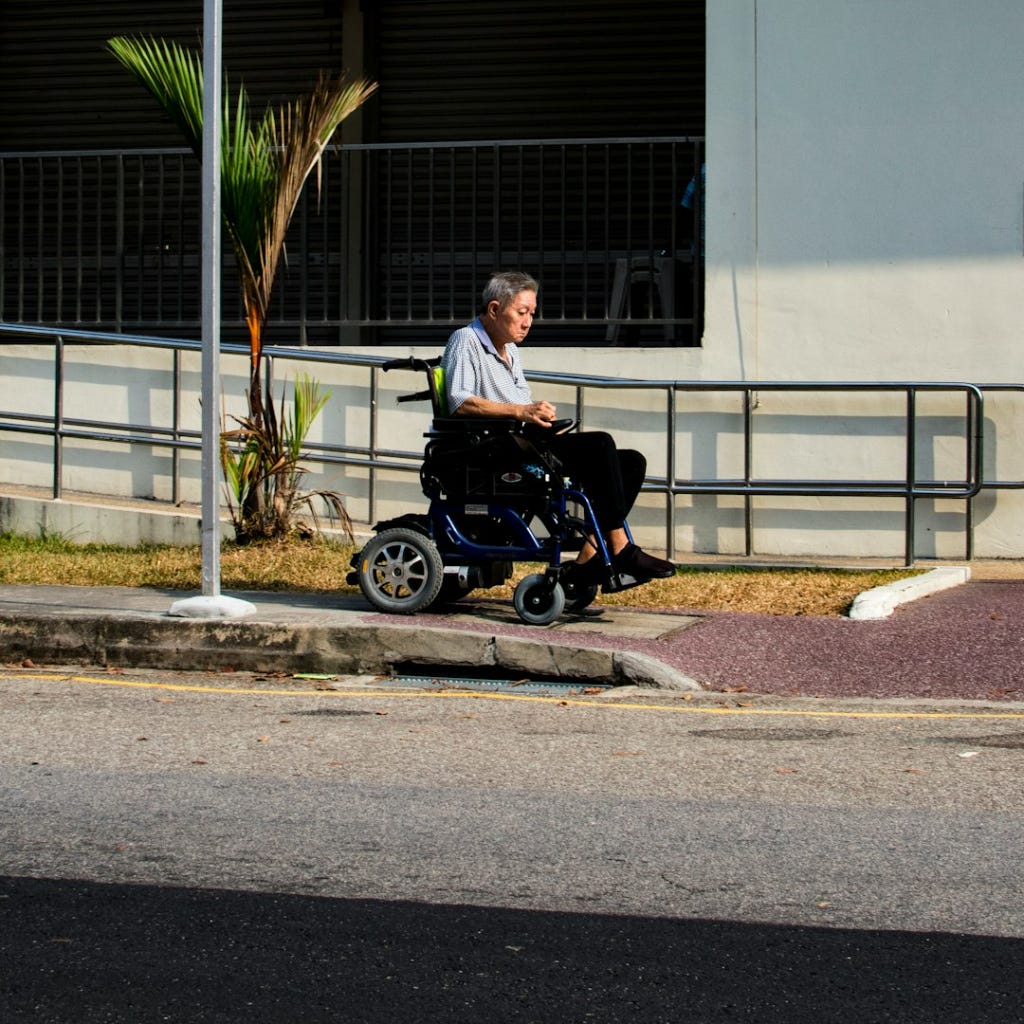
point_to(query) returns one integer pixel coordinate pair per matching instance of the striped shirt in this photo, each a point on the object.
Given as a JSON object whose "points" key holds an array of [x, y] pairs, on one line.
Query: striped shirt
{"points": [[472, 366]]}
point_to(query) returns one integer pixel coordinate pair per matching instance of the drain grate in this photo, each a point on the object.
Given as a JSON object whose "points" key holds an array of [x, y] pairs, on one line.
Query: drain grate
{"points": [[533, 687], [333, 713], [774, 735]]}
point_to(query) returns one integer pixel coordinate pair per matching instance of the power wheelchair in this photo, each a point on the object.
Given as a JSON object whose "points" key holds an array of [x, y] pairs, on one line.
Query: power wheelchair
{"points": [[497, 495]]}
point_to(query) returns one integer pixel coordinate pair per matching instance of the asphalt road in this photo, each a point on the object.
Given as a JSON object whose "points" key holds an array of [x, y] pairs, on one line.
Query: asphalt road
{"points": [[230, 848]]}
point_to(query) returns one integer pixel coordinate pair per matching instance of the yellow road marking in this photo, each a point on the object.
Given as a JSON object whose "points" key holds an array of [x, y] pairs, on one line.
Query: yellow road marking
{"points": [[679, 707]]}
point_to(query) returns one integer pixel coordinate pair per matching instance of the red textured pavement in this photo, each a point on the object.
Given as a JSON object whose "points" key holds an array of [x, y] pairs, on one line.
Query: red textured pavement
{"points": [[966, 642]]}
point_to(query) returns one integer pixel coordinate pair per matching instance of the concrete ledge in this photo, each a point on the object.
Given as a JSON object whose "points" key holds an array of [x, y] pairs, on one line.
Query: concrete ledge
{"points": [[881, 602], [152, 639], [99, 523], [130, 523]]}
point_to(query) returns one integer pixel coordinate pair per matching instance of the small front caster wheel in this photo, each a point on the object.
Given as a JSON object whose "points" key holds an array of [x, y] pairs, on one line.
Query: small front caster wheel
{"points": [[538, 601], [578, 595]]}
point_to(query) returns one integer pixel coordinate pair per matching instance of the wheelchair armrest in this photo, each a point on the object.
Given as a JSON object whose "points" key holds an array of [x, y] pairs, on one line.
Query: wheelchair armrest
{"points": [[482, 425], [420, 396], [409, 363], [497, 424], [535, 433]]}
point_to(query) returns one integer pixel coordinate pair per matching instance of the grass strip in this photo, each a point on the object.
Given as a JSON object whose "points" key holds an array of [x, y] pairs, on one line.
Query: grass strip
{"points": [[320, 566]]}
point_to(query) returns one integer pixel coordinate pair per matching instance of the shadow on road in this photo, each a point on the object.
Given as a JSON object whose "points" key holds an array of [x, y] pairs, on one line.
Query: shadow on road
{"points": [[80, 952]]}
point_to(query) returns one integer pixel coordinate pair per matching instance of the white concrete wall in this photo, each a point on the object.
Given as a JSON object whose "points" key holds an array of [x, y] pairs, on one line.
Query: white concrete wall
{"points": [[850, 436], [865, 189], [865, 186]]}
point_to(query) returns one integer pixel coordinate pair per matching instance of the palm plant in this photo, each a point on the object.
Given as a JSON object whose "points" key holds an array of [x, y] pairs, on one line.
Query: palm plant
{"points": [[262, 471], [264, 166]]}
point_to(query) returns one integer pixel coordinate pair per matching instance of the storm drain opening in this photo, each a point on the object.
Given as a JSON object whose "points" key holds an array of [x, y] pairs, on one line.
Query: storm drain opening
{"points": [[333, 713], [776, 735], [454, 678]]}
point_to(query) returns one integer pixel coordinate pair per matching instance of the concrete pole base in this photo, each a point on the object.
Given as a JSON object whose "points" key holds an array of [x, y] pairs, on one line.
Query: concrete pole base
{"points": [[212, 608]]}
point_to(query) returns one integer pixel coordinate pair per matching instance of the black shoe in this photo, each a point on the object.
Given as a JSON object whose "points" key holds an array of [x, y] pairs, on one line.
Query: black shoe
{"points": [[641, 565]]}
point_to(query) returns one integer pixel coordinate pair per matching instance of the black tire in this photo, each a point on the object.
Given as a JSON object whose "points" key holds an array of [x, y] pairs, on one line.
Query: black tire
{"points": [[400, 571], [578, 596], [536, 601]]}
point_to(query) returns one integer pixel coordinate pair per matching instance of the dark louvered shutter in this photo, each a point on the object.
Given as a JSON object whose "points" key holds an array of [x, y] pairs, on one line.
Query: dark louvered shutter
{"points": [[60, 89], [475, 69]]}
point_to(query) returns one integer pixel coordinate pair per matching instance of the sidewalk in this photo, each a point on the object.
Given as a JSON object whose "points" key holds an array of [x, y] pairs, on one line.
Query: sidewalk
{"points": [[963, 643]]}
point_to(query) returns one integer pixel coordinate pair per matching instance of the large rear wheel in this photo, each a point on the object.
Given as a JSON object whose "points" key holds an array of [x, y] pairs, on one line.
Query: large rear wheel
{"points": [[400, 571]]}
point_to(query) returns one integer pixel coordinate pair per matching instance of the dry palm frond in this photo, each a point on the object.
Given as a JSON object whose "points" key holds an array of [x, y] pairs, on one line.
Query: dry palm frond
{"points": [[297, 135]]}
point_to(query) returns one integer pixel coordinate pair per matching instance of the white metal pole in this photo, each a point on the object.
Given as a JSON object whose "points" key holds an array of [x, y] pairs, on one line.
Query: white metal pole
{"points": [[212, 103], [211, 604]]}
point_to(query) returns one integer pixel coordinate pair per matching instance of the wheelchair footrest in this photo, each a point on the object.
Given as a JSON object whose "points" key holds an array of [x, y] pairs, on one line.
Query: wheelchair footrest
{"points": [[620, 581]]}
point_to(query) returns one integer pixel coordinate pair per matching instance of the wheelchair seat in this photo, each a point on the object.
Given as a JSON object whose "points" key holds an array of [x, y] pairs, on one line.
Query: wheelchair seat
{"points": [[487, 463]]}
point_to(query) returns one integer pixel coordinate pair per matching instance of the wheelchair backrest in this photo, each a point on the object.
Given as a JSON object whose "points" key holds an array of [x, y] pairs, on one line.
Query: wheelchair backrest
{"points": [[458, 431], [436, 391]]}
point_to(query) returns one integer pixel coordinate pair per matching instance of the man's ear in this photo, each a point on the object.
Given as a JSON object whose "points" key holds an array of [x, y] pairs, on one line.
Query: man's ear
{"points": [[493, 308]]}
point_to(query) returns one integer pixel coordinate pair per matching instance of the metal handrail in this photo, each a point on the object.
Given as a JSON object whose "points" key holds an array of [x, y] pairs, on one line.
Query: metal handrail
{"points": [[374, 457]]}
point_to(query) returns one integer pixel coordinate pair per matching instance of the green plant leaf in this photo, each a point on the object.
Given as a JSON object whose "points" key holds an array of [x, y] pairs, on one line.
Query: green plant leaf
{"points": [[264, 166]]}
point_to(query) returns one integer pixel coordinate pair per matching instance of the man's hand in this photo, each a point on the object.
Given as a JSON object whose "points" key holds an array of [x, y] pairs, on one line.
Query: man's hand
{"points": [[541, 413]]}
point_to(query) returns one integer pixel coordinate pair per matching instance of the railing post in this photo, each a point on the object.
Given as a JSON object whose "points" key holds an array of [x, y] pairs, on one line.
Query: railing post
{"points": [[58, 417], [268, 377], [975, 461], [911, 501], [670, 474], [371, 486], [176, 427], [748, 459]]}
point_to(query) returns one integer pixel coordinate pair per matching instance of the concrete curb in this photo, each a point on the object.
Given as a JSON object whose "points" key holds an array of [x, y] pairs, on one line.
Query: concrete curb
{"points": [[881, 602], [133, 639]]}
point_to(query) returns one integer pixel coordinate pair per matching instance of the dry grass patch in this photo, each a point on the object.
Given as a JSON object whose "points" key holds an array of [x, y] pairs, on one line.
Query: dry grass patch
{"points": [[309, 566], [318, 566], [765, 591]]}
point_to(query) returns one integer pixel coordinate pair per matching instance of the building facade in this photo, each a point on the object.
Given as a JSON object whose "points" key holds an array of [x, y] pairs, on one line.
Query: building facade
{"points": [[862, 218]]}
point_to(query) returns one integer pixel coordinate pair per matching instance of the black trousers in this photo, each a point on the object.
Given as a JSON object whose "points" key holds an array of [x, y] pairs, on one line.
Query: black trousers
{"points": [[611, 477]]}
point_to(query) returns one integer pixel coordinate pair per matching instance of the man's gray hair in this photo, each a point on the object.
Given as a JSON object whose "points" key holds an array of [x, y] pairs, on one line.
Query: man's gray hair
{"points": [[504, 286]]}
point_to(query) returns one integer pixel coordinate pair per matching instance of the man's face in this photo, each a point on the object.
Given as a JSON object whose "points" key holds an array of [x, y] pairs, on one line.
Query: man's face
{"points": [[513, 322]]}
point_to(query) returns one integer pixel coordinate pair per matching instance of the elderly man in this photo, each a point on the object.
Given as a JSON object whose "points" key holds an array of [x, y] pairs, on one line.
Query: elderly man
{"points": [[485, 378]]}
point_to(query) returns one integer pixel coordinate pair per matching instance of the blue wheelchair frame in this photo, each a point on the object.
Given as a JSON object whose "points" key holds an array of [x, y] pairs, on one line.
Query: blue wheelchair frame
{"points": [[471, 535]]}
